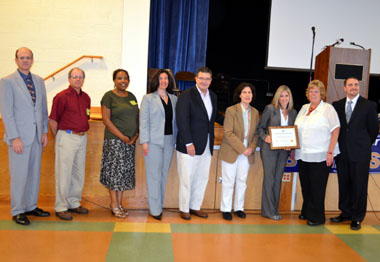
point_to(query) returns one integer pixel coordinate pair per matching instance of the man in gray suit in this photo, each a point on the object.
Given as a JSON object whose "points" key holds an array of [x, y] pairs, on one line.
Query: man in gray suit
{"points": [[23, 108]]}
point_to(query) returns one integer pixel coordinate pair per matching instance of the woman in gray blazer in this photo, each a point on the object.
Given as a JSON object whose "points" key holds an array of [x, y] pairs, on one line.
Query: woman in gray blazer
{"points": [[279, 113], [157, 137]]}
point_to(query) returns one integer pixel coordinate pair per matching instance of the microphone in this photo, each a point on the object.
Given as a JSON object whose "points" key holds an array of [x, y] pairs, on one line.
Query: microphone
{"points": [[338, 42], [313, 29], [353, 43]]}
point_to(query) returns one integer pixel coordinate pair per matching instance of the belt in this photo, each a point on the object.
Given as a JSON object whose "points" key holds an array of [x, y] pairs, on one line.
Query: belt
{"points": [[75, 133]]}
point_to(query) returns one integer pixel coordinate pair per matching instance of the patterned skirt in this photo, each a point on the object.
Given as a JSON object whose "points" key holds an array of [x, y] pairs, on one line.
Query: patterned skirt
{"points": [[118, 165]]}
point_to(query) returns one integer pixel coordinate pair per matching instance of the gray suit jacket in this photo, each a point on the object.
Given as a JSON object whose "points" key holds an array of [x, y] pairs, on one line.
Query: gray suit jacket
{"points": [[271, 117], [152, 119], [21, 118]]}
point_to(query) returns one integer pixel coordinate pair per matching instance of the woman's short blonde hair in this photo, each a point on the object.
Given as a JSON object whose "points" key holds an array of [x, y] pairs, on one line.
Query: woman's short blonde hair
{"points": [[318, 84], [276, 97]]}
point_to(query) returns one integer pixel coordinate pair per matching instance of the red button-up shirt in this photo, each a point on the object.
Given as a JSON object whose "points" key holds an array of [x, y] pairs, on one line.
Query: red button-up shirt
{"points": [[71, 110]]}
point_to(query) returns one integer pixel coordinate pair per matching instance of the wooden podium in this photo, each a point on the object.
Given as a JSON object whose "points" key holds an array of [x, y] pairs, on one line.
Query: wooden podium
{"points": [[335, 64]]}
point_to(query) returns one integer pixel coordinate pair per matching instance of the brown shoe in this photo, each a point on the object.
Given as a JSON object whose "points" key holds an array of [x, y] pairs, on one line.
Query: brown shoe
{"points": [[198, 213], [64, 215], [79, 210], [185, 215]]}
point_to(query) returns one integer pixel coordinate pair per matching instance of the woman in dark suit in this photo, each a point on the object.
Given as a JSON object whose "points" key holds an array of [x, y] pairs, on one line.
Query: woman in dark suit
{"points": [[237, 149], [279, 113], [157, 136]]}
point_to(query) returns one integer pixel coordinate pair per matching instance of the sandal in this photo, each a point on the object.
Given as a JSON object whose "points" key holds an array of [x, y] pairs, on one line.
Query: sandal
{"points": [[122, 209], [117, 212]]}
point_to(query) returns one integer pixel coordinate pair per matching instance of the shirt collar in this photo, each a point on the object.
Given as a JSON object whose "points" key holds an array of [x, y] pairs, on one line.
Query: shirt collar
{"points": [[243, 108], [319, 106], [353, 100], [200, 92], [72, 90], [23, 75]]}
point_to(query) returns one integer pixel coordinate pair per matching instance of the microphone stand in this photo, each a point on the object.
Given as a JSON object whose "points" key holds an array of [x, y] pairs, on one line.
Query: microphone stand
{"points": [[312, 56]]}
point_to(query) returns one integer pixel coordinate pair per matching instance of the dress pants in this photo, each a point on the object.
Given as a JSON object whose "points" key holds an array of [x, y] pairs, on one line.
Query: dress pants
{"points": [[25, 170], [193, 172], [70, 161], [313, 178], [274, 162], [157, 164], [353, 187], [234, 174]]}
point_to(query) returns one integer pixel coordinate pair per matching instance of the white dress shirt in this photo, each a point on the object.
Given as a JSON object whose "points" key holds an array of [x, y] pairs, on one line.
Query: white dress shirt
{"points": [[354, 101], [206, 101], [284, 122]]}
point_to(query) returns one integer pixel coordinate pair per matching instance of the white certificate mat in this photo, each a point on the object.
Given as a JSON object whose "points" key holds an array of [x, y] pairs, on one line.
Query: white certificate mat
{"points": [[284, 137]]}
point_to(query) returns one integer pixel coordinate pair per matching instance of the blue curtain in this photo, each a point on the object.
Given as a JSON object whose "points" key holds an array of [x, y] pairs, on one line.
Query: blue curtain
{"points": [[178, 34]]}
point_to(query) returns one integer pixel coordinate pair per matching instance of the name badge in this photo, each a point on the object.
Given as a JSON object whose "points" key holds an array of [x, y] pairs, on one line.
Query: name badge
{"points": [[133, 102]]}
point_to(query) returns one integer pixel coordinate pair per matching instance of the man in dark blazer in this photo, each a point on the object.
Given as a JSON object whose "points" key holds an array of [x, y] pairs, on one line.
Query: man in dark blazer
{"points": [[359, 129], [196, 113], [23, 108]]}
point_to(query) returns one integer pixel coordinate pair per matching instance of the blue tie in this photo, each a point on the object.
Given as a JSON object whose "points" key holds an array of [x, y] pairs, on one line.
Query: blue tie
{"points": [[31, 89]]}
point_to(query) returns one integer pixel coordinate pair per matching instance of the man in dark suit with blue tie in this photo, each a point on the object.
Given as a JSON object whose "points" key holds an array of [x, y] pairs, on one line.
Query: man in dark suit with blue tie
{"points": [[196, 113], [23, 108], [359, 129]]}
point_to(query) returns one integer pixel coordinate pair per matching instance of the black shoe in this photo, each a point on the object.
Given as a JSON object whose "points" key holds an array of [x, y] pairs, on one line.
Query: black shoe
{"points": [[302, 217], [240, 214], [355, 225], [227, 215], [159, 217], [312, 223], [38, 212], [21, 219], [339, 218]]}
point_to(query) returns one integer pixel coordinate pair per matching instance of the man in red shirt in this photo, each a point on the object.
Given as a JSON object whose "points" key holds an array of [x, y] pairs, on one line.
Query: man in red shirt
{"points": [[68, 122]]}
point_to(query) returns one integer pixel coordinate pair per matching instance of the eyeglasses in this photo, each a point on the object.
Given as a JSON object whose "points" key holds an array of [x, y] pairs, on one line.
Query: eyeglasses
{"points": [[77, 77], [204, 79]]}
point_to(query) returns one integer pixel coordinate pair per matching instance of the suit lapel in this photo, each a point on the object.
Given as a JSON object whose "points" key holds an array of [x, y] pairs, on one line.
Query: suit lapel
{"points": [[199, 101], [36, 87], [158, 102], [239, 113], [357, 108], [21, 85]]}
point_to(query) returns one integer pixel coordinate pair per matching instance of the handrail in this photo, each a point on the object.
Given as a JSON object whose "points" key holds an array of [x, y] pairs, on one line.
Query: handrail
{"points": [[69, 64]]}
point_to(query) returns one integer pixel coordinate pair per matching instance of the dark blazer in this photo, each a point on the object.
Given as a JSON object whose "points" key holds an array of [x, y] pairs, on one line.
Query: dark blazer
{"points": [[192, 121], [356, 137], [271, 117]]}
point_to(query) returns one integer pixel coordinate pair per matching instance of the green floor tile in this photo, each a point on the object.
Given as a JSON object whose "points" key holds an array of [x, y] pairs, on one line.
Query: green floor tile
{"points": [[367, 246], [59, 226], [140, 247], [248, 229]]}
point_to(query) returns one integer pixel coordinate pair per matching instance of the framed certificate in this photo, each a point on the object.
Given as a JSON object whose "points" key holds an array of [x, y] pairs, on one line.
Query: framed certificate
{"points": [[284, 137]]}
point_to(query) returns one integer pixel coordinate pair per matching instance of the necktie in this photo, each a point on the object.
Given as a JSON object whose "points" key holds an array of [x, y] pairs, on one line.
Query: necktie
{"points": [[348, 111], [31, 89]]}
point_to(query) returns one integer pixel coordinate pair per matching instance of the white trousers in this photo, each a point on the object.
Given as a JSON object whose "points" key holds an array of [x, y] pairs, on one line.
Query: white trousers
{"points": [[70, 162], [234, 175], [193, 172]]}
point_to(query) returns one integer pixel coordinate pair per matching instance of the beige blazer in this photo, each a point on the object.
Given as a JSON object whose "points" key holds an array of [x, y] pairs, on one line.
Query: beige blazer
{"points": [[232, 144]]}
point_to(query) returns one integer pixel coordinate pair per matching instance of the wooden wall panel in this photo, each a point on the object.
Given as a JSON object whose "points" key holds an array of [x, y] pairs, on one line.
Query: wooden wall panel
{"points": [[137, 198]]}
